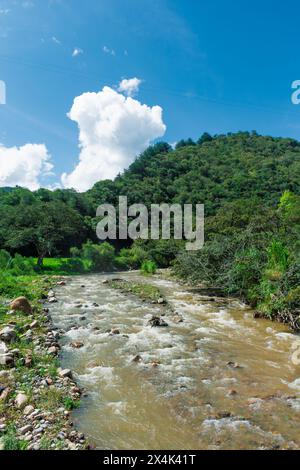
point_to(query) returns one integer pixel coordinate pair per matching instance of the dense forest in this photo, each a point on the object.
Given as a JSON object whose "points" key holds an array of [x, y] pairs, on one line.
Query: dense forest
{"points": [[249, 185]]}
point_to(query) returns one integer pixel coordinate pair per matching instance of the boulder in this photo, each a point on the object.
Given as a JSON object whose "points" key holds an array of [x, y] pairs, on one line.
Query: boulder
{"points": [[157, 322], [8, 334], [21, 304], [21, 400]]}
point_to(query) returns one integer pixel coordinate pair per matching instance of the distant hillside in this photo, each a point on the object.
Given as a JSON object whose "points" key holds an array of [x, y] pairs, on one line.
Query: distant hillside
{"points": [[214, 171], [226, 168]]}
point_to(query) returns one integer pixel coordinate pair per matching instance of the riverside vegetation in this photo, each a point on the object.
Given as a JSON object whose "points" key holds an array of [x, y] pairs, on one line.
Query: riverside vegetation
{"points": [[250, 187]]}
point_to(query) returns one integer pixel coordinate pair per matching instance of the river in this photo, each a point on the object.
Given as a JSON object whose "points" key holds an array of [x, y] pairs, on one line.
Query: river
{"points": [[217, 380]]}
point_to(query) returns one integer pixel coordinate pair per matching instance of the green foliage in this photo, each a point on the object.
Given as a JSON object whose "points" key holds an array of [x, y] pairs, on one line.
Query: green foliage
{"points": [[148, 267], [131, 258], [70, 404], [100, 256], [5, 260]]}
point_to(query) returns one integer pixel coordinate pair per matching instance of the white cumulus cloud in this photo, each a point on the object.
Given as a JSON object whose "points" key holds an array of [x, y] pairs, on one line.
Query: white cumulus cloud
{"points": [[113, 129], [129, 86], [24, 166]]}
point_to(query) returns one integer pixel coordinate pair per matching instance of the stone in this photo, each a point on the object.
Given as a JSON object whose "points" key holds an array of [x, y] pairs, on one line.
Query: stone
{"points": [[157, 322], [21, 304], [2, 427], [77, 345], [4, 394], [177, 319], [52, 300], [52, 350], [28, 410], [7, 360], [3, 348], [161, 301], [28, 361], [224, 414], [137, 358], [25, 429], [65, 373], [61, 283], [8, 334], [155, 363], [115, 331], [234, 365], [21, 400]]}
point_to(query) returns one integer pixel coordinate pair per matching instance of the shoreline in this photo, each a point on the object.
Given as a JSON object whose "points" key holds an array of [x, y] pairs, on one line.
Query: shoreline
{"points": [[36, 395]]}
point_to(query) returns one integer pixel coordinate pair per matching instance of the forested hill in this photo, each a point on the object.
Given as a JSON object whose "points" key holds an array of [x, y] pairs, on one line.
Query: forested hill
{"points": [[225, 168], [214, 171]]}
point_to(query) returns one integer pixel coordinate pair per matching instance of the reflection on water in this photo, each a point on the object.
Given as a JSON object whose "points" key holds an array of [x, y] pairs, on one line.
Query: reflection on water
{"points": [[218, 380]]}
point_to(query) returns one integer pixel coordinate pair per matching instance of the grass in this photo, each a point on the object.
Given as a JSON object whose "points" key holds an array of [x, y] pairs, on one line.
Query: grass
{"points": [[64, 266], [11, 442], [142, 290]]}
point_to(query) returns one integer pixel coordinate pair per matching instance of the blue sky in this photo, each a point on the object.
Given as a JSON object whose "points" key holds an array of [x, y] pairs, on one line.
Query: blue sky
{"points": [[215, 66]]}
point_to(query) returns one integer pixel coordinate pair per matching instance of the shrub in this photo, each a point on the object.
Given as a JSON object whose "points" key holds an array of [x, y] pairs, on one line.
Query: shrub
{"points": [[21, 266], [100, 256], [148, 267]]}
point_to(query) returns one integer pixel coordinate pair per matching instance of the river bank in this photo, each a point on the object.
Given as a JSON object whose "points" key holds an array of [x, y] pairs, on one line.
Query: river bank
{"points": [[36, 395]]}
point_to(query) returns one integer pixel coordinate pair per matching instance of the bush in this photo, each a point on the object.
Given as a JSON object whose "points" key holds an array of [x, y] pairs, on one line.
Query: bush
{"points": [[75, 252], [73, 265], [149, 267], [21, 266], [132, 258], [101, 256]]}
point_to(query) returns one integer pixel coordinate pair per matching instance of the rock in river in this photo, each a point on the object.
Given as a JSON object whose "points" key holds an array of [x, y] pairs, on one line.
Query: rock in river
{"points": [[157, 322]]}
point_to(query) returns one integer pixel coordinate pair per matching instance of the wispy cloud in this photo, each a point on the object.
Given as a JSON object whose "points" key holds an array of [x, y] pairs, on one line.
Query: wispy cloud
{"points": [[55, 40], [107, 50]]}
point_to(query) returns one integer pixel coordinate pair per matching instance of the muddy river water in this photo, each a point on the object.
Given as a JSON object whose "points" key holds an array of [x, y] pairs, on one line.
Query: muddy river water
{"points": [[223, 379]]}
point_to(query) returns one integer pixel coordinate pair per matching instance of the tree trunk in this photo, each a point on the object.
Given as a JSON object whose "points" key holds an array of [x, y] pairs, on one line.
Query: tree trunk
{"points": [[40, 261]]}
